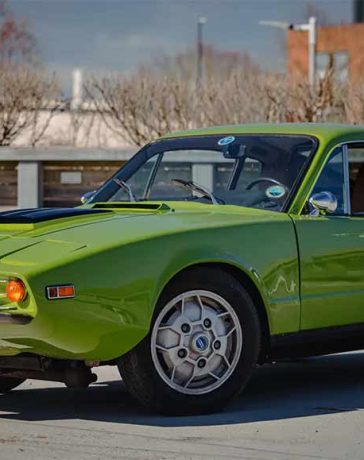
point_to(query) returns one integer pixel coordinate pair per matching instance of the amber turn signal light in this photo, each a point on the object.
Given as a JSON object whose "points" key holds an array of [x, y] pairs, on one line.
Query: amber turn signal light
{"points": [[16, 290], [60, 292]]}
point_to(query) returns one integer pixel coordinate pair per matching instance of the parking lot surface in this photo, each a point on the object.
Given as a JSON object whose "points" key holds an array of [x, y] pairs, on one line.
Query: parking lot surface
{"points": [[303, 409]]}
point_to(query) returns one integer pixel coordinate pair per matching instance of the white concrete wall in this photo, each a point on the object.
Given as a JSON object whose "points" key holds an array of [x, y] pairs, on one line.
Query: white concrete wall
{"points": [[71, 128]]}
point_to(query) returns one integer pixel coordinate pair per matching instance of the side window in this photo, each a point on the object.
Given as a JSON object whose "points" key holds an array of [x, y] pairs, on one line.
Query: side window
{"points": [[356, 174], [332, 180]]}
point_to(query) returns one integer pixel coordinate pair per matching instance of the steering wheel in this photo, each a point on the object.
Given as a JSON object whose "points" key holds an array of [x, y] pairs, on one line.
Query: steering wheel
{"points": [[264, 179]]}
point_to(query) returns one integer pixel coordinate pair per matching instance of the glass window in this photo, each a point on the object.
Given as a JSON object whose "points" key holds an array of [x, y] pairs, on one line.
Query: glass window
{"points": [[356, 174], [337, 62], [163, 185], [252, 170], [332, 180], [222, 174]]}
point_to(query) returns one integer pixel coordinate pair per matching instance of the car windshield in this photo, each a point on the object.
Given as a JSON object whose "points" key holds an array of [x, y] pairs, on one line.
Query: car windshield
{"points": [[257, 171]]}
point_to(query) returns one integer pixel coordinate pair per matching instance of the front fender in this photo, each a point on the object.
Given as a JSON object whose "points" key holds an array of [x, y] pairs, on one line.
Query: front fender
{"points": [[118, 288]]}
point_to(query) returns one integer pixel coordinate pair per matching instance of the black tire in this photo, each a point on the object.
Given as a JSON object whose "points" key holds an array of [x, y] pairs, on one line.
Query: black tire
{"points": [[138, 370], [7, 384]]}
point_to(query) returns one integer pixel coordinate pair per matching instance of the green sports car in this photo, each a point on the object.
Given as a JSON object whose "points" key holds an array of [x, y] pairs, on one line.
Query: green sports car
{"points": [[209, 252]]}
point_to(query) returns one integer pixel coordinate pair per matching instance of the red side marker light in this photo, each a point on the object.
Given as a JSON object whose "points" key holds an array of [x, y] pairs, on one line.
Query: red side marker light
{"points": [[60, 292]]}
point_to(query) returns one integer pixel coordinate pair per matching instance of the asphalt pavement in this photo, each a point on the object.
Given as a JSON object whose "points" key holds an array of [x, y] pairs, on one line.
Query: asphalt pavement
{"points": [[306, 409]]}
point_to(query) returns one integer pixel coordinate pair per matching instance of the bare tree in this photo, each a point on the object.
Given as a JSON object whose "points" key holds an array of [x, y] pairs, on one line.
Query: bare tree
{"points": [[17, 43], [28, 97], [291, 102], [164, 97], [24, 94], [353, 103], [147, 105], [241, 98], [143, 106], [217, 63]]}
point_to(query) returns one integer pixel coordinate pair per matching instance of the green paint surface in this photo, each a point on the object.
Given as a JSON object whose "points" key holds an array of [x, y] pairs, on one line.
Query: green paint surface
{"points": [[308, 271]]}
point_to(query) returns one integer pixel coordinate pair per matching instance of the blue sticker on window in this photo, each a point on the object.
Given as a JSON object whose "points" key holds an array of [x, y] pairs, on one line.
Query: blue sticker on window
{"points": [[275, 191], [226, 140]]}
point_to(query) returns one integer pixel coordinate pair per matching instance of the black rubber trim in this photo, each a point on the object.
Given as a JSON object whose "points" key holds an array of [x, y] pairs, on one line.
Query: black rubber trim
{"points": [[30, 216], [6, 318], [318, 341]]}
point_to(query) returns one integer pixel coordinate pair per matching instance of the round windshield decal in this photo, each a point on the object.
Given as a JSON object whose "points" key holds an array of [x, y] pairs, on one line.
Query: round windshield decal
{"points": [[275, 191], [226, 140]]}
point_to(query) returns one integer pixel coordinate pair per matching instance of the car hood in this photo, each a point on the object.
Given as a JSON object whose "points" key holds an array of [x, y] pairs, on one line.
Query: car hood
{"points": [[34, 237]]}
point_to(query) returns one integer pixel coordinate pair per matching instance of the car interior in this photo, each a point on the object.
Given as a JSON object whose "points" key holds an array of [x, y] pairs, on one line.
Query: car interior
{"points": [[357, 188], [278, 165]]}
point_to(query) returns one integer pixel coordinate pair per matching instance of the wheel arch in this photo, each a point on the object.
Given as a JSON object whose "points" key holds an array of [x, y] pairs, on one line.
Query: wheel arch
{"points": [[248, 284]]}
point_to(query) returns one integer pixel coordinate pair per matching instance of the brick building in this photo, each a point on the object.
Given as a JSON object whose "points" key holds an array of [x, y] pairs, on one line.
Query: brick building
{"points": [[340, 47]]}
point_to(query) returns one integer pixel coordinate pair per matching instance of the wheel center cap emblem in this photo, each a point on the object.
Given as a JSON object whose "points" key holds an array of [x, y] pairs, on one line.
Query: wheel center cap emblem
{"points": [[200, 343]]}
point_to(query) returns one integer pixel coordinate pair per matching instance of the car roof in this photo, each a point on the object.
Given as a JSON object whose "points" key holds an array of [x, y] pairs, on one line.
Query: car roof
{"points": [[327, 131]]}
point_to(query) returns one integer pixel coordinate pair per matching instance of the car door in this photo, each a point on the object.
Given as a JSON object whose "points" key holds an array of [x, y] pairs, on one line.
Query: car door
{"points": [[331, 245]]}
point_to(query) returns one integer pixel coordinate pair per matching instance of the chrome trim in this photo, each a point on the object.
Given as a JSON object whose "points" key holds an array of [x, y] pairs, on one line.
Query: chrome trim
{"points": [[347, 199]]}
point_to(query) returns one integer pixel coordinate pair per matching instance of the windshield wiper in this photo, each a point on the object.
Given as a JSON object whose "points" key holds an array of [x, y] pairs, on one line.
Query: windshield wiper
{"points": [[125, 187], [196, 188]]}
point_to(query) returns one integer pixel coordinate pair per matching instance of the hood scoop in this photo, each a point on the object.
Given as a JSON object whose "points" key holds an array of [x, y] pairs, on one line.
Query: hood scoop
{"points": [[134, 206], [35, 215]]}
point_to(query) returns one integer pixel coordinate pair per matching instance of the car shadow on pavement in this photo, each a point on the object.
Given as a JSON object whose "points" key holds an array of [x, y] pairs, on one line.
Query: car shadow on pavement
{"points": [[299, 388]]}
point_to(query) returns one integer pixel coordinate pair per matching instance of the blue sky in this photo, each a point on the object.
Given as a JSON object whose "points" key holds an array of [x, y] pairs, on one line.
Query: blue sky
{"points": [[107, 35]]}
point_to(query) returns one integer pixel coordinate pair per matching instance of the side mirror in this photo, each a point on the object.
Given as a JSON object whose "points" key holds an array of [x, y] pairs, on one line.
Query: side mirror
{"points": [[87, 196], [323, 202]]}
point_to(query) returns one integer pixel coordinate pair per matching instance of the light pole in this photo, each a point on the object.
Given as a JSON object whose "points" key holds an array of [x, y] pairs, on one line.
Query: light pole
{"points": [[76, 100], [311, 28], [200, 50]]}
